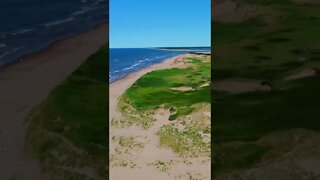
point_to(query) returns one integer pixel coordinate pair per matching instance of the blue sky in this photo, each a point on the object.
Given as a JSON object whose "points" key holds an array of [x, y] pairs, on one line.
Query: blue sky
{"points": [[160, 23]]}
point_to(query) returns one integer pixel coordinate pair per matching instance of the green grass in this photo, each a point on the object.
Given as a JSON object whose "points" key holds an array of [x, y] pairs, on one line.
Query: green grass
{"points": [[257, 113], [74, 113], [153, 89], [270, 52], [237, 157], [265, 56]]}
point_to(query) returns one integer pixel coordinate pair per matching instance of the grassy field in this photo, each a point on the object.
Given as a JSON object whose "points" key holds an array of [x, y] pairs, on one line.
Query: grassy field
{"points": [[267, 48], [68, 131], [157, 88]]}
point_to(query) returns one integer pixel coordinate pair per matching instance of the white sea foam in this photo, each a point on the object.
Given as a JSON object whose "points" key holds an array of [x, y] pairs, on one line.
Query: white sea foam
{"points": [[84, 10], [22, 31], [128, 68], [10, 52], [54, 23], [158, 57]]}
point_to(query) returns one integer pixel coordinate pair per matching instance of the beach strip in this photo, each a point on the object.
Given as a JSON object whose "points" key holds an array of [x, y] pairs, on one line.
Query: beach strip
{"points": [[27, 83]]}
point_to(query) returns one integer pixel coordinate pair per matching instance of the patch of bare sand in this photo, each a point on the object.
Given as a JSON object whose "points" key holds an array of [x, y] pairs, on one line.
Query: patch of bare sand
{"points": [[205, 84], [143, 163], [182, 88], [295, 154], [152, 161], [240, 85], [301, 74], [234, 11]]}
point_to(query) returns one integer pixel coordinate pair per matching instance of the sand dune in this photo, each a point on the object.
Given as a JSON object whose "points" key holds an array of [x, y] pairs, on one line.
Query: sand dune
{"points": [[146, 151], [26, 84]]}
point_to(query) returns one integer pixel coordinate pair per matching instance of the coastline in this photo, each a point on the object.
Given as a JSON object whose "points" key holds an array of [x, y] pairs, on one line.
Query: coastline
{"points": [[119, 86], [50, 45], [151, 152], [116, 90], [25, 84]]}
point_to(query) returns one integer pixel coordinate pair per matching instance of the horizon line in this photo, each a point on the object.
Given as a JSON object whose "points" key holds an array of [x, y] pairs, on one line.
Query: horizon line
{"points": [[163, 47]]}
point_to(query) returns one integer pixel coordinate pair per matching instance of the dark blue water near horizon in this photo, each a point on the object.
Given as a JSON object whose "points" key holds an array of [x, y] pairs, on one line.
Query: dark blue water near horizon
{"points": [[124, 61], [28, 26]]}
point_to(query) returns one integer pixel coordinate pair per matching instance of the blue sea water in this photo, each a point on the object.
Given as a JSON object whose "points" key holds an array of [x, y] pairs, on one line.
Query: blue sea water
{"points": [[124, 61], [30, 25]]}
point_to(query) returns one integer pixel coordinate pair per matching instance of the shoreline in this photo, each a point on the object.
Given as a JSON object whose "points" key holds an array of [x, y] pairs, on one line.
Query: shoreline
{"points": [[52, 44], [177, 56], [165, 64], [118, 87], [25, 84]]}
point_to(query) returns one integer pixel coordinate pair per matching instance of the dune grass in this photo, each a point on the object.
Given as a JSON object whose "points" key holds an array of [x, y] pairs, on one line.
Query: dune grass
{"points": [[188, 143], [72, 122], [271, 51]]}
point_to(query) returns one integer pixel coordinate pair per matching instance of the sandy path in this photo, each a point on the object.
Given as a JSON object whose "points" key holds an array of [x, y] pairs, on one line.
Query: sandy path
{"points": [[151, 152], [26, 84]]}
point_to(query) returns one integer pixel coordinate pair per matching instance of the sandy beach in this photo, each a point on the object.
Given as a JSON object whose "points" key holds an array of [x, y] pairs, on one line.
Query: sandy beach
{"points": [[151, 152], [27, 83], [118, 87]]}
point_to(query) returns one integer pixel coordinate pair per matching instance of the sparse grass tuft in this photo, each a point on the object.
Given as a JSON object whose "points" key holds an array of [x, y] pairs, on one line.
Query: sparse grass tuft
{"points": [[188, 143]]}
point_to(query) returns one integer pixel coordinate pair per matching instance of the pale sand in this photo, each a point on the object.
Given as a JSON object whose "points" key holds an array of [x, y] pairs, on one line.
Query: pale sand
{"points": [[151, 151], [234, 11], [240, 85], [302, 74], [26, 84], [182, 88]]}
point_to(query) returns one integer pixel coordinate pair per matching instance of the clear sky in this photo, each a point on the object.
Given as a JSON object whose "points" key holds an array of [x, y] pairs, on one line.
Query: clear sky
{"points": [[160, 23]]}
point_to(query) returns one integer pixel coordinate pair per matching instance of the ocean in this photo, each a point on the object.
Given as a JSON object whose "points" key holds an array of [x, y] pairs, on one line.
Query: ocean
{"points": [[28, 26], [124, 61]]}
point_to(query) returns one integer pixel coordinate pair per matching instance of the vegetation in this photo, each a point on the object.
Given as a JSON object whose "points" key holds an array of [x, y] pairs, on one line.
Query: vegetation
{"points": [[67, 132], [132, 116], [281, 42], [188, 143], [157, 88], [180, 94]]}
